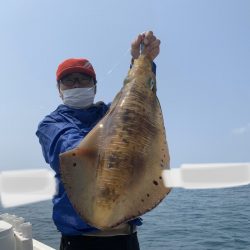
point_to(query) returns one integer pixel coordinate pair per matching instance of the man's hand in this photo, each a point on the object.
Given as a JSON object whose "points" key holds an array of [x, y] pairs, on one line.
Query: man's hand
{"points": [[151, 45]]}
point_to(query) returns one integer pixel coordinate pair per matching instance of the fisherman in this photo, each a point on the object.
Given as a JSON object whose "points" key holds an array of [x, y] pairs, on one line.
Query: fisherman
{"points": [[63, 130]]}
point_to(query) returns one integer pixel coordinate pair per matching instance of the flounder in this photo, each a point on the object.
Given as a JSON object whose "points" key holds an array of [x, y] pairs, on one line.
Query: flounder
{"points": [[115, 174]]}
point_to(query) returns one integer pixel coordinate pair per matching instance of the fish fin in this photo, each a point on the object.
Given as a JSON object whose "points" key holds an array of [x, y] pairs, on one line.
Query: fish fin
{"points": [[78, 168]]}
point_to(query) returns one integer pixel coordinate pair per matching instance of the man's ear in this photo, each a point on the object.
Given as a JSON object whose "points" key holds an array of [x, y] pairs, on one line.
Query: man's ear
{"points": [[95, 88], [60, 94], [59, 90]]}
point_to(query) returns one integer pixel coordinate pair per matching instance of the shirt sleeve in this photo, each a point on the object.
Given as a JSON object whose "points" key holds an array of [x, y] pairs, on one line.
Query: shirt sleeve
{"points": [[56, 138]]}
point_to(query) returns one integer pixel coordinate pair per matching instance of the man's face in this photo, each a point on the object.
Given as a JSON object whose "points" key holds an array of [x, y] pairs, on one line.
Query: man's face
{"points": [[75, 80]]}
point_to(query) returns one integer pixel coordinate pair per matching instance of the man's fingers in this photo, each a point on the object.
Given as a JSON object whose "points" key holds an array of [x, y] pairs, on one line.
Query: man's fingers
{"points": [[153, 45], [135, 46], [136, 43], [154, 53], [149, 38], [148, 33], [151, 48]]}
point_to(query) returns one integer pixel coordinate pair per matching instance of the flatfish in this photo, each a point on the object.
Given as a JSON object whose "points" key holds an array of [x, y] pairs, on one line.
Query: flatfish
{"points": [[115, 174]]}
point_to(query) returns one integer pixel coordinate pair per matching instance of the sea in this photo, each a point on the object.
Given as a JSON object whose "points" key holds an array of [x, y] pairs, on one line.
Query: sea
{"points": [[210, 219]]}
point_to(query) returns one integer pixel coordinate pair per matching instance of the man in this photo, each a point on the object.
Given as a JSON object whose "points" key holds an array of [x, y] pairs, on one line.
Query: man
{"points": [[64, 128]]}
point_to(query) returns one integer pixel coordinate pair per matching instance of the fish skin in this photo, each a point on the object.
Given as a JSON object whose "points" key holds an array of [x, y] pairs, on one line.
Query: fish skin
{"points": [[114, 174]]}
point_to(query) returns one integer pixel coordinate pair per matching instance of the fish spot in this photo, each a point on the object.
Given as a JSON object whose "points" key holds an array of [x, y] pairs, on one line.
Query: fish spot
{"points": [[147, 195], [74, 164], [111, 161], [155, 182], [142, 200], [109, 193], [128, 116], [125, 140], [137, 161], [74, 154], [160, 178]]}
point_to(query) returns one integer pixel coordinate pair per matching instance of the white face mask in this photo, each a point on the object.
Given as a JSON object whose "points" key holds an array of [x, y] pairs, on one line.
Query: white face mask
{"points": [[79, 97]]}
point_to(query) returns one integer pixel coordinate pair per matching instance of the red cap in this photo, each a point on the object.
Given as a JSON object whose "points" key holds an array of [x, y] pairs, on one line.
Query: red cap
{"points": [[75, 65]]}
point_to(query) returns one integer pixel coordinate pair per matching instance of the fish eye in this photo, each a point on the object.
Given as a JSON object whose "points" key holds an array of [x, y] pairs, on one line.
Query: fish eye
{"points": [[151, 83]]}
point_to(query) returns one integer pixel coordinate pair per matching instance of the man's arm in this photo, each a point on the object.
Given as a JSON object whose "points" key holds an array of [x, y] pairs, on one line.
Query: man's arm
{"points": [[55, 138]]}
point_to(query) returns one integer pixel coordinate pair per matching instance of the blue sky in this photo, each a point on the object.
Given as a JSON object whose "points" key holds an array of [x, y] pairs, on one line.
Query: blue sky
{"points": [[202, 70]]}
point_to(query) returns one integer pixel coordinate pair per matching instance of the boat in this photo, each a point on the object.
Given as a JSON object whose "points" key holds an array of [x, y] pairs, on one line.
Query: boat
{"points": [[16, 234]]}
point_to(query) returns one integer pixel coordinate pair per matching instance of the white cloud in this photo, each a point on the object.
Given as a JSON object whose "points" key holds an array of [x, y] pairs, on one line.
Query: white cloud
{"points": [[242, 130]]}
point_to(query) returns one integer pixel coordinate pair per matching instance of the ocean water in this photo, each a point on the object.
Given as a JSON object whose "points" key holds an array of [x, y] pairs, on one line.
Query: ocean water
{"points": [[187, 219]]}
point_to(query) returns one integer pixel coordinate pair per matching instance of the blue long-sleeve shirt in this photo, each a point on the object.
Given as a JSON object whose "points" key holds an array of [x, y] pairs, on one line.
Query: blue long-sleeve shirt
{"points": [[58, 132]]}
